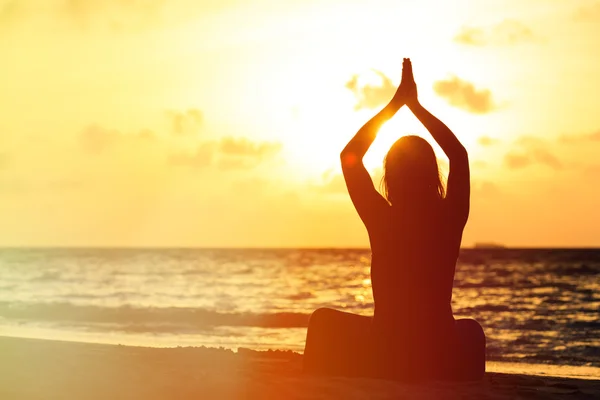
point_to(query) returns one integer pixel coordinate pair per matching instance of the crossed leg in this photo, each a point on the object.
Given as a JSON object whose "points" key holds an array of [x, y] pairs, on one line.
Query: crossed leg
{"points": [[337, 343], [468, 362], [340, 343]]}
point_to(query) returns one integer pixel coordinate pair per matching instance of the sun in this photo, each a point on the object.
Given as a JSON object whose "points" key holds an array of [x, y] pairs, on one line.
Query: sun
{"points": [[400, 125], [313, 147]]}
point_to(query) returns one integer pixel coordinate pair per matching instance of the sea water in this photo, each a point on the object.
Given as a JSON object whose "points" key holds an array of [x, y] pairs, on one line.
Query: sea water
{"points": [[535, 305]]}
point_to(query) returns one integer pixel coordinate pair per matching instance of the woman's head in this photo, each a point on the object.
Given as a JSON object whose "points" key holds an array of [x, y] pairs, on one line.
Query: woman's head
{"points": [[411, 171]]}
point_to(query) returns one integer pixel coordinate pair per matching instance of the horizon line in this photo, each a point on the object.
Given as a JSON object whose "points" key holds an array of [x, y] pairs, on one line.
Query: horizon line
{"points": [[158, 247]]}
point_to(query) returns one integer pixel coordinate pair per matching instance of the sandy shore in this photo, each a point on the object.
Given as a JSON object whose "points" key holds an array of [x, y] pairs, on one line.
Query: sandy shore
{"points": [[43, 369]]}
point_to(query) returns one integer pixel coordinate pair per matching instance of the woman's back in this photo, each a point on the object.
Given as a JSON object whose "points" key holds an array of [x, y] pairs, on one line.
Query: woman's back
{"points": [[414, 254]]}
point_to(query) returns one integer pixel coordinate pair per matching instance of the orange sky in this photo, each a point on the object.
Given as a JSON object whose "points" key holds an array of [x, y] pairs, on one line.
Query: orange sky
{"points": [[187, 123]]}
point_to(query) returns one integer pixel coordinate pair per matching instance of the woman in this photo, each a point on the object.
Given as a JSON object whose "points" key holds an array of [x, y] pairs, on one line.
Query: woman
{"points": [[415, 231]]}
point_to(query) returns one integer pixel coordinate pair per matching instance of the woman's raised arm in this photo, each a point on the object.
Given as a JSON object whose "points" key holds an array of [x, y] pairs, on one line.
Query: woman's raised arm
{"points": [[458, 190], [364, 196], [357, 147]]}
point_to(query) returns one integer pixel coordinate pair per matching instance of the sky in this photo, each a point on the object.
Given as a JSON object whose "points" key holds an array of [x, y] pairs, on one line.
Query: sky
{"points": [[219, 124]]}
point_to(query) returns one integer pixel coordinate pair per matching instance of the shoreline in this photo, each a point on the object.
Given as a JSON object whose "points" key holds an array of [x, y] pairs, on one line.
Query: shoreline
{"points": [[41, 369], [526, 368]]}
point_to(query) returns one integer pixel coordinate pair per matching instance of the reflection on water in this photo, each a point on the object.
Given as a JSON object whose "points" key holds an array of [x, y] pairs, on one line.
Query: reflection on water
{"points": [[535, 305]]}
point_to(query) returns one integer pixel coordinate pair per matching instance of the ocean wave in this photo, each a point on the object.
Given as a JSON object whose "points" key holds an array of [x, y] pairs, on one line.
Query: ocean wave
{"points": [[540, 305], [149, 318]]}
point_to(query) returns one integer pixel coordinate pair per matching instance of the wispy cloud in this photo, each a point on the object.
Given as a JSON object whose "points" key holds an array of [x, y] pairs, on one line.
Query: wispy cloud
{"points": [[514, 160], [246, 148], [588, 13], [545, 157], [507, 32], [484, 189], [487, 141], [532, 151], [202, 157], [333, 183], [186, 122], [227, 154], [463, 94], [96, 139], [371, 96], [241, 153], [572, 139]]}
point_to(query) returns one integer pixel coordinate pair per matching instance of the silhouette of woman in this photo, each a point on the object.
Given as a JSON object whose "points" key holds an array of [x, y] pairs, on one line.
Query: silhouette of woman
{"points": [[415, 233]]}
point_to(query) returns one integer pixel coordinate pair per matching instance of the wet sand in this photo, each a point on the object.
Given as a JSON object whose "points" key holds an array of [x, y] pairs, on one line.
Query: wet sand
{"points": [[44, 369]]}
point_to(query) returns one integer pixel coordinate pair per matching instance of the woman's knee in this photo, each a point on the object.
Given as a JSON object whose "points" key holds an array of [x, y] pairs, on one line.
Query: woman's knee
{"points": [[470, 355], [321, 317], [470, 329]]}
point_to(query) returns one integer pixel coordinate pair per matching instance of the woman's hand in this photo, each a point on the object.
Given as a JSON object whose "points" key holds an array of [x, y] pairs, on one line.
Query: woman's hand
{"points": [[407, 91]]}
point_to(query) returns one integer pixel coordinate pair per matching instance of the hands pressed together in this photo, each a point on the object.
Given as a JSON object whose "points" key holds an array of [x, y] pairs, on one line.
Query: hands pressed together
{"points": [[407, 91]]}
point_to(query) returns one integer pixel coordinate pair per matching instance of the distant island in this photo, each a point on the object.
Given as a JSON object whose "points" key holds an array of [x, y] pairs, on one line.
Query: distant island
{"points": [[488, 246]]}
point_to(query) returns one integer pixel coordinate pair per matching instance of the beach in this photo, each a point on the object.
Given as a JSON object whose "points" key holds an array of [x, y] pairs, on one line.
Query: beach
{"points": [[46, 369]]}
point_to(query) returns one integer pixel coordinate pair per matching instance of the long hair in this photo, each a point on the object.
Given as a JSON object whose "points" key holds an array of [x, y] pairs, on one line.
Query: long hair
{"points": [[411, 173]]}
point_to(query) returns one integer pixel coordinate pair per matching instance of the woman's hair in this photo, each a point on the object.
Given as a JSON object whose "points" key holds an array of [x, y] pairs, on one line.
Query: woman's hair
{"points": [[411, 172]]}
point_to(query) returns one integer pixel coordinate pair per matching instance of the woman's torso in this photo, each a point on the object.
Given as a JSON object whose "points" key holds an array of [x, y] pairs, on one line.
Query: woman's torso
{"points": [[412, 270]]}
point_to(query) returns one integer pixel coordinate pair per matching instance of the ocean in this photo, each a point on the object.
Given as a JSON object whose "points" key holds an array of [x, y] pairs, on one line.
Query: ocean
{"points": [[535, 305]]}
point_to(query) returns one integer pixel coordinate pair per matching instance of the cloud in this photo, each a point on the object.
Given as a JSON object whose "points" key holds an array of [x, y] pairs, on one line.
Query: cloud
{"points": [[471, 36], [201, 158], [244, 154], [463, 94], [227, 154], [484, 189], [572, 139], [507, 32], [235, 163], [334, 183], [517, 160], [544, 157], [369, 95], [532, 151], [588, 13], [96, 139], [185, 123], [487, 141], [246, 148]]}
